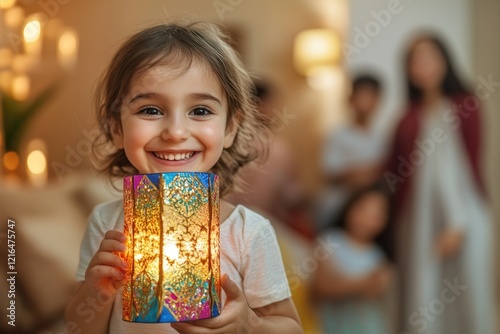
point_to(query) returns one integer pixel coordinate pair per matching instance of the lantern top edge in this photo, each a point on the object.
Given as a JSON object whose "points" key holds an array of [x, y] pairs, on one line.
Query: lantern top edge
{"points": [[170, 174]]}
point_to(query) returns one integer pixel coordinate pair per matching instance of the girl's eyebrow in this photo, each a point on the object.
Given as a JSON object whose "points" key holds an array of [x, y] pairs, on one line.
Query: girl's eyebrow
{"points": [[204, 96], [143, 96]]}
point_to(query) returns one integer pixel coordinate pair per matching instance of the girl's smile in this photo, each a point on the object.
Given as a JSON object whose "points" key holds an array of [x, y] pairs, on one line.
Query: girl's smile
{"points": [[174, 119], [174, 158]]}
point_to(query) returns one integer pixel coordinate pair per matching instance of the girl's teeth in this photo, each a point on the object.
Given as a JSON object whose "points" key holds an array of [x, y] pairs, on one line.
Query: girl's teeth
{"points": [[174, 157]]}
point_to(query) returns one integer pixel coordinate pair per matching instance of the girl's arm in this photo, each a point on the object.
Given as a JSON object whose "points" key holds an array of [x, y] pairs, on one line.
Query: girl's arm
{"points": [[238, 317], [89, 309], [280, 317]]}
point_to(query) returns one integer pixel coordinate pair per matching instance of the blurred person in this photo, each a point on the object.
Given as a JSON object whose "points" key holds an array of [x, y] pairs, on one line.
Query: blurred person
{"points": [[353, 281], [443, 222], [353, 153], [272, 188]]}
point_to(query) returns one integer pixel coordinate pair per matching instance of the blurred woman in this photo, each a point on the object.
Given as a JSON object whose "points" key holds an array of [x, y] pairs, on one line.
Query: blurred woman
{"points": [[443, 228]]}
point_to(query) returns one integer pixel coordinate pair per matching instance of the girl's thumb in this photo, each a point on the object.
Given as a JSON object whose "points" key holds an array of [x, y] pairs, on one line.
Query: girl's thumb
{"points": [[230, 288]]}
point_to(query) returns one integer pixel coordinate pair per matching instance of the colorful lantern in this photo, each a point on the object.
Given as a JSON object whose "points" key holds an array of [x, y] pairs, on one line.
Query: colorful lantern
{"points": [[173, 252]]}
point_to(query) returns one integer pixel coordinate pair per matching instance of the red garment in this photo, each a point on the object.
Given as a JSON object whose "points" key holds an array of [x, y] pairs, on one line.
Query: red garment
{"points": [[399, 169]]}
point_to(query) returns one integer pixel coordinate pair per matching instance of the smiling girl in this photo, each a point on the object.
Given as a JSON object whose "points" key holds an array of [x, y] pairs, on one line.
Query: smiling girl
{"points": [[176, 98]]}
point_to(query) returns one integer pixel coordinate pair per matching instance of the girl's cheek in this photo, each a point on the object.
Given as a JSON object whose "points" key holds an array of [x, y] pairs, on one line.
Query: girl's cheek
{"points": [[213, 132]]}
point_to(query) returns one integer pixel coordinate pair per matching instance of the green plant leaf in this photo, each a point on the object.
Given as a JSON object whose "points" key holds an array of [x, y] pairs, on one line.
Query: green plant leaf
{"points": [[17, 114]]}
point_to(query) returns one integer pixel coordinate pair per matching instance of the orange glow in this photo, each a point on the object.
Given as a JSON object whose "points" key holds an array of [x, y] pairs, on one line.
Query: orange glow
{"points": [[11, 161], [4, 4]]}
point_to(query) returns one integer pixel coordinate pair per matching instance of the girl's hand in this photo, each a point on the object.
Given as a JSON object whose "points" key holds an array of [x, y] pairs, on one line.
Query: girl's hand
{"points": [[449, 243], [235, 316], [105, 271]]}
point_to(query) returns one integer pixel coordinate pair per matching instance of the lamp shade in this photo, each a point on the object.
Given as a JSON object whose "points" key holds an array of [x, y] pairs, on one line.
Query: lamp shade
{"points": [[173, 251], [316, 49]]}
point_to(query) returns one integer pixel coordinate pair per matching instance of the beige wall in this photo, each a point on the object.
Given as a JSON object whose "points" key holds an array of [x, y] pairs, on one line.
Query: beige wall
{"points": [[486, 55], [266, 29], [383, 52]]}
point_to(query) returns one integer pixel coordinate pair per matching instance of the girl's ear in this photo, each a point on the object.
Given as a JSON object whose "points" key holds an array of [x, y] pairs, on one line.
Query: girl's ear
{"points": [[117, 134], [231, 131]]}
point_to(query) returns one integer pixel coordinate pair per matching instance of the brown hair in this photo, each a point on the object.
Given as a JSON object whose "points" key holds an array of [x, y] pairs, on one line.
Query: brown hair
{"points": [[179, 45]]}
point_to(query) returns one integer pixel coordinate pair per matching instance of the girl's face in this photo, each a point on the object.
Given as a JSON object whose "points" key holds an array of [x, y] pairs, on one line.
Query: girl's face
{"points": [[426, 66], [174, 120], [368, 216]]}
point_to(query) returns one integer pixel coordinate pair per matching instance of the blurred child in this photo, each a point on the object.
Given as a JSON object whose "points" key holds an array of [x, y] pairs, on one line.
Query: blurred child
{"points": [[353, 279], [354, 153]]}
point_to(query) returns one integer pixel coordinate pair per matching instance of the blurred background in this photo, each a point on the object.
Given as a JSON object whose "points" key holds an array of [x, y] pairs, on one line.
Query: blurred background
{"points": [[303, 55]]}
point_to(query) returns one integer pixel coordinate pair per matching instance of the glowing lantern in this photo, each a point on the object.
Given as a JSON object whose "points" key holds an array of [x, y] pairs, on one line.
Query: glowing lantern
{"points": [[173, 254]]}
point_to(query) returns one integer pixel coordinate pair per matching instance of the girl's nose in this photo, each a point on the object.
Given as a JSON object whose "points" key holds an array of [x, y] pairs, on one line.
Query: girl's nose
{"points": [[175, 129]]}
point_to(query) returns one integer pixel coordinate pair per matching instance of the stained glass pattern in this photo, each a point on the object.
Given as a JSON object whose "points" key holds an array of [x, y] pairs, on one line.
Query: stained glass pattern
{"points": [[173, 251]]}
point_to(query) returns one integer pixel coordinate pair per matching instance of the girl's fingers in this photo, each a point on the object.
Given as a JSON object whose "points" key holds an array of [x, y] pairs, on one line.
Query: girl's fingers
{"points": [[232, 291], [112, 245], [101, 271], [218, 322], [186, 327], [115, 235], [107, 259]]}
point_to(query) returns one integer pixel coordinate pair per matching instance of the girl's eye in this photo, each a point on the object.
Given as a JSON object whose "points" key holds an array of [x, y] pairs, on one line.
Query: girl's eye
{"points": [[201, 112], [150, 111]]}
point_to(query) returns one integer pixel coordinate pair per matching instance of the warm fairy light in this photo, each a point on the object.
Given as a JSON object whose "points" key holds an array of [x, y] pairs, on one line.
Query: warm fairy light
{"points": [[32, 35], [68, 43], [36, 162], [4, 4], [68, 48], [20, 89], [170, 220], [32, 30], [11, 161]]}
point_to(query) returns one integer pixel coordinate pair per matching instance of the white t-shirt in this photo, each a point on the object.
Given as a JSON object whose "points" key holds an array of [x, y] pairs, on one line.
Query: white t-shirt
{"points": [[346, 148], [249, 255], [349, 146]]}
